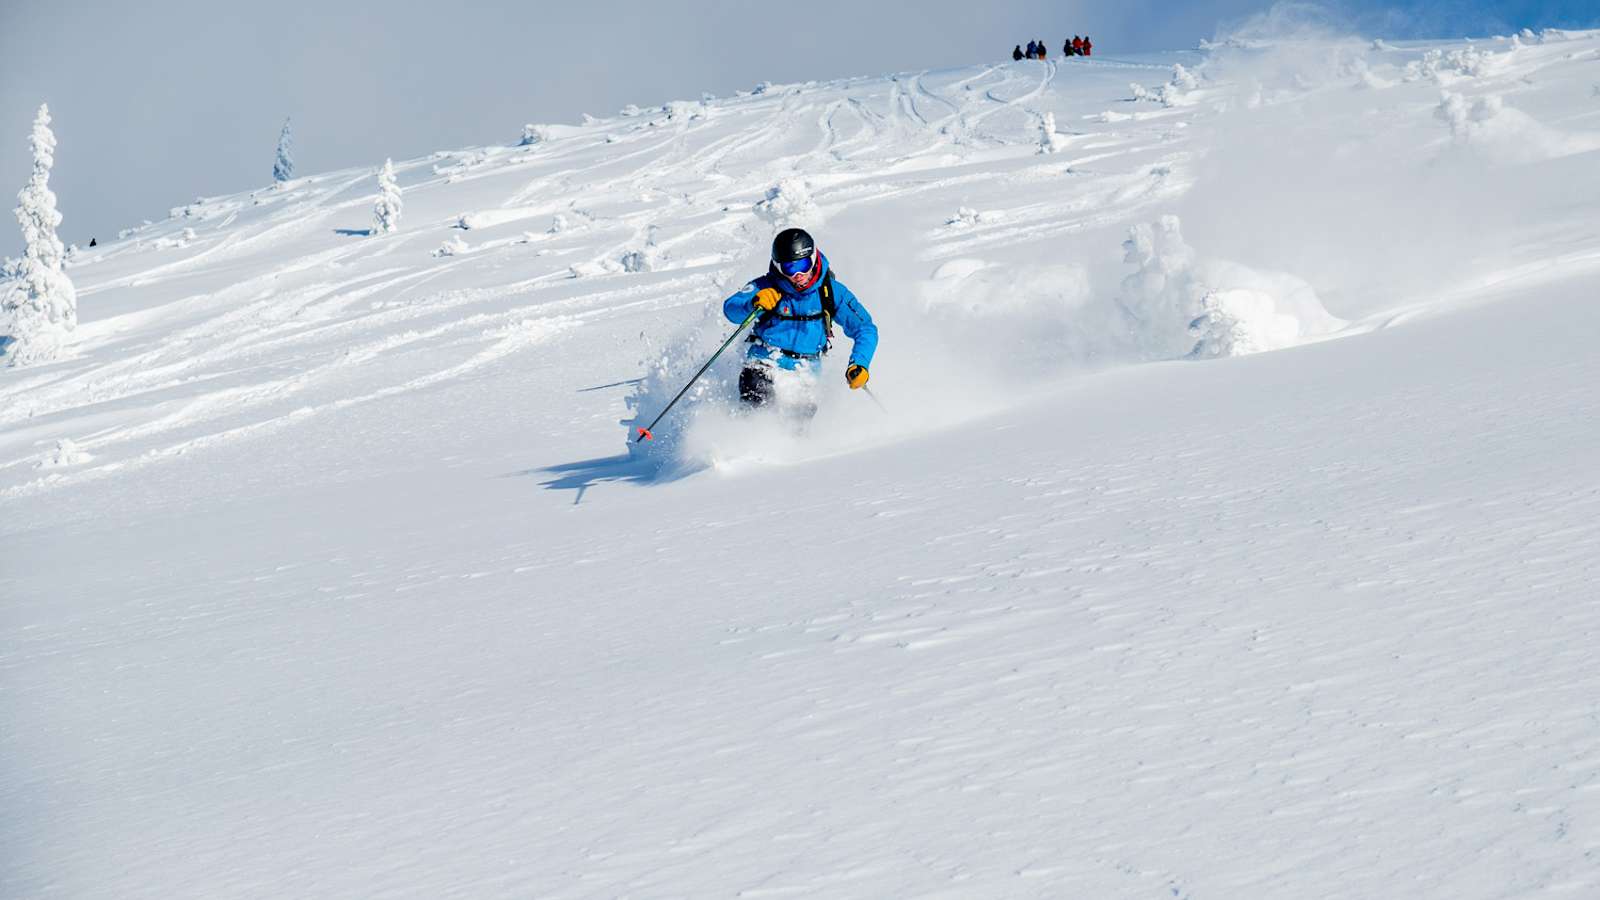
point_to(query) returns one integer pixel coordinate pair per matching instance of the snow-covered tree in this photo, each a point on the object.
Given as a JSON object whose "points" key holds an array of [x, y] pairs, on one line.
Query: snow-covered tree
{"points": [[283, 167], [41, 304], [1049, 141], [386, 214]]}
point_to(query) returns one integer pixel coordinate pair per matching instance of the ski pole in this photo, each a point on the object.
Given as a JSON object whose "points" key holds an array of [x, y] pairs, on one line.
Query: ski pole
{"points": [[875, 399], [644, 433]]}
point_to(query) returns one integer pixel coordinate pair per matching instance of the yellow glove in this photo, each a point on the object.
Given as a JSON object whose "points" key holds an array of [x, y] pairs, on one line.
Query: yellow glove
{"points": [[767, 299], [856, 376]]}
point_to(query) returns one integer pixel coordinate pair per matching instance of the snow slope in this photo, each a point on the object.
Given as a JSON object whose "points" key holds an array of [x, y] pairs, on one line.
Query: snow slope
{"points": [[329, 569]]}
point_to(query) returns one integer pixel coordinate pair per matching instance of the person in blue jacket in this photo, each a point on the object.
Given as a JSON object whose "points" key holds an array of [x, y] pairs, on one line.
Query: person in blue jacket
{"points": [[800, 300]]}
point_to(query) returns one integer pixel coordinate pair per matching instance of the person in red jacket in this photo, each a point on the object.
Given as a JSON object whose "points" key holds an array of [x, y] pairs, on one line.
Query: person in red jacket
{"points": [[1077, 46], [1087, 47]]}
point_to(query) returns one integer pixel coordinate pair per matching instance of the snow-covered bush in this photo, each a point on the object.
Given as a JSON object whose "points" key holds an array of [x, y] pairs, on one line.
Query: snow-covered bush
{"points": [[1174, 93], [41, 304], [453, 247], [1426, 67], [1468, 119], [1049, 140], [1470, 62], [1438, 66], [683, 111], [533, 134], [386, 212], [283, 166], [638, 261], [789, 203], [64, 453], [967, 217]]}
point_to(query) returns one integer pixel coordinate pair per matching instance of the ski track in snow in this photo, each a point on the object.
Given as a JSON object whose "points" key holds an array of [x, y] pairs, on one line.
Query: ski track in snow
{"points": [[351, 587]]}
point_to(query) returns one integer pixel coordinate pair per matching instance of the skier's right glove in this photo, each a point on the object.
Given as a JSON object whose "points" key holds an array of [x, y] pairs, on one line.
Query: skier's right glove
{"points": [[856, 376], [767, 299]]}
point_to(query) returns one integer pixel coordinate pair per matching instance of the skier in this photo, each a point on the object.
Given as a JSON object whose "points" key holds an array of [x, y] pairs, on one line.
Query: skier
{"points": [[1077, 46], [800, 299], [1033, 50], [1042, 51], [1016, 54], [1066, 48], [1087, 47]]}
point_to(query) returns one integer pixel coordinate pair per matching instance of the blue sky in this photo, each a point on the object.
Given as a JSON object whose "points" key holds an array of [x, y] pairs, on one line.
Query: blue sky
{"points": [[162, 101]]}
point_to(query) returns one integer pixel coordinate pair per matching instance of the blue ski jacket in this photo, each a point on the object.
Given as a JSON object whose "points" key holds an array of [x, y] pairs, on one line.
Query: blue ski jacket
{"points": [[796, 326]]}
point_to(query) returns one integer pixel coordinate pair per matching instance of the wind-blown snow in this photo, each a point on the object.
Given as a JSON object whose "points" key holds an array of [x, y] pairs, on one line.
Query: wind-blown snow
{"points": [[331, 569]]}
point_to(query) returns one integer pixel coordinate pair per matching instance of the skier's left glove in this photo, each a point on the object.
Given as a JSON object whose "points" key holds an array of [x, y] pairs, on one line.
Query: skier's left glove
{"points": [[856, 376]]}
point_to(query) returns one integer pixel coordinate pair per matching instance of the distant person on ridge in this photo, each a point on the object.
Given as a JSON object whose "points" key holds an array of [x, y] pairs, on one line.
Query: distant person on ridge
{"points": [[1087, 47], [1077, 46], [1042, 51], [799, 299], [1033, 50], [1066, 48], [1017, 53]]}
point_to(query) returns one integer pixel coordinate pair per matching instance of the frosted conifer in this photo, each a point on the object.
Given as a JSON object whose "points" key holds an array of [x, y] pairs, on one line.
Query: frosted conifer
{"points": [[41, 304], [283, 167], [386, 213]]}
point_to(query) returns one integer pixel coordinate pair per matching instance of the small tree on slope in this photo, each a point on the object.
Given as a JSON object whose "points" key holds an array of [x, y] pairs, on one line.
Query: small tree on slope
{"points": [[283, 167], [42, 304], [386, 213]]}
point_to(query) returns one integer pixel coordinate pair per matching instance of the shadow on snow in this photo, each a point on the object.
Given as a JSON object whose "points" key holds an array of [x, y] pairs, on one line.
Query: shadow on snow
{"points": [[623, 468]]}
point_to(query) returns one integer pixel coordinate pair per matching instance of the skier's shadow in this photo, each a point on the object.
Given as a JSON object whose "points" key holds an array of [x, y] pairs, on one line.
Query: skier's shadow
{"points": [[581, 475]]}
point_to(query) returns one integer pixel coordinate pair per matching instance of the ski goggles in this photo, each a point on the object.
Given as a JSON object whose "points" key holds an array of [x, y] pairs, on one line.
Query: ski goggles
{"points": [[798, 266]]}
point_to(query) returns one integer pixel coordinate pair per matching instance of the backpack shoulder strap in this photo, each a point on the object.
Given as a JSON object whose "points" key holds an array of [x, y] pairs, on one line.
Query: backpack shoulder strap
{"points": [[829, 308]]}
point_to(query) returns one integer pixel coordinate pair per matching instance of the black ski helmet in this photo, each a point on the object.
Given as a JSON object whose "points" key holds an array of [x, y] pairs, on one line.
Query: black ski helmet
{"points": [[792, 244]]}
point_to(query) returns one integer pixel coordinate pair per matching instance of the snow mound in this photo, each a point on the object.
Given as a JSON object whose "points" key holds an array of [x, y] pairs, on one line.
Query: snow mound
{"points": [[453, 247], [1026, 320], [789, 204], [534, 134], [1504, 134], [65, 453], [1184, 306]]}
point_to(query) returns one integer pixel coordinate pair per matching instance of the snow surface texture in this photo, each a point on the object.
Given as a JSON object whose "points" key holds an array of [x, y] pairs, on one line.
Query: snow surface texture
{"points": [[328, 570]]}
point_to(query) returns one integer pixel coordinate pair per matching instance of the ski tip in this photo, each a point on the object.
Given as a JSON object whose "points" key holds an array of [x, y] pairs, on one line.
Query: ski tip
{"points": [[644, 435]]}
